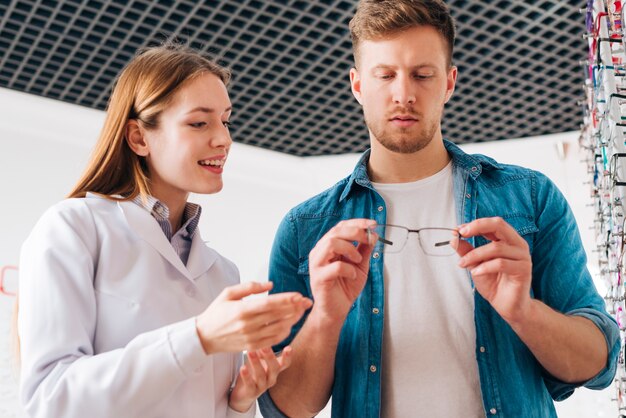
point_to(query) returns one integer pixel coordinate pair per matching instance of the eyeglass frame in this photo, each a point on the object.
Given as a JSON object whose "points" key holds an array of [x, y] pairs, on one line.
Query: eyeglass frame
{"points": [[416, 231]]}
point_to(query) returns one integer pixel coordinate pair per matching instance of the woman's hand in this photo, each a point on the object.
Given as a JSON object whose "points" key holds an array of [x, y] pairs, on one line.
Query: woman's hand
{"points": [[257, 375], [231, 324]]}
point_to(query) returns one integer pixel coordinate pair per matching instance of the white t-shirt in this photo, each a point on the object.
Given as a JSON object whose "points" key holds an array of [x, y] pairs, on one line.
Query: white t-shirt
{"points": [[429, 364]]}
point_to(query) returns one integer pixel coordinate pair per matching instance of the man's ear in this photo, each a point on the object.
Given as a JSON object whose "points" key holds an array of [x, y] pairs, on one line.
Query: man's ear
{"points": [[451, 82], [135, 138], [355, 84]]}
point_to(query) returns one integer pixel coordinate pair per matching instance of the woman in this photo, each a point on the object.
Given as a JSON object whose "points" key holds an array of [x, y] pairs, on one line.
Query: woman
{"points": [[124, 311]]}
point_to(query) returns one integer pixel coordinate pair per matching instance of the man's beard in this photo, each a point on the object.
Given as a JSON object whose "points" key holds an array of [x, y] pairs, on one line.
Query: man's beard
{"points": [[403, 140]]}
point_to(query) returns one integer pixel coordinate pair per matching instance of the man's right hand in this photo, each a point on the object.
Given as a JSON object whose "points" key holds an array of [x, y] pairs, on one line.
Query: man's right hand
{"points": [[338, 269]]}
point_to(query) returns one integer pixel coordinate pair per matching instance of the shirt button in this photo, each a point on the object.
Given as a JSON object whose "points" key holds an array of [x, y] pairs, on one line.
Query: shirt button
{"points": [[468, 195], [380, 208], [482, 349], [493, 411], [375, 311], [373, 368], [474, 168], [376, 255]]}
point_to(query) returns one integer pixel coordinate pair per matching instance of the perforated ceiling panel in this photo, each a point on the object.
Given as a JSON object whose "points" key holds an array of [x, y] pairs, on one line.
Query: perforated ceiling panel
{"points": [[518, 63]]}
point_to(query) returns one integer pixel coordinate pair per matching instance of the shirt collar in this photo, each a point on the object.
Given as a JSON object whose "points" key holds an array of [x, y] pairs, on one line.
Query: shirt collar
{"points": [[160, 211], [473, 164]]}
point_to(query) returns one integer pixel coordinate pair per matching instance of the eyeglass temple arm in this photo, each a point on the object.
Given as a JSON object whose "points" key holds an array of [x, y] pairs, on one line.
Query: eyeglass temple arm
{"points": [[381, 239]]}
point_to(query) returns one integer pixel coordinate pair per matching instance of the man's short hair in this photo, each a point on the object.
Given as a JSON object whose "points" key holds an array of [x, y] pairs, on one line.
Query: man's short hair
{"points": [[375, 19]]}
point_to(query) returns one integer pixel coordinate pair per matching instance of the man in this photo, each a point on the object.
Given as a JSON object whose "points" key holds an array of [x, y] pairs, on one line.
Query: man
{"points": [[501, 331]]}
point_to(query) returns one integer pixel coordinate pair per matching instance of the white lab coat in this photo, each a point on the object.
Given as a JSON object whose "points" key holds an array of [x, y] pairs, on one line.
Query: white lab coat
{"points": [[107, 317]]}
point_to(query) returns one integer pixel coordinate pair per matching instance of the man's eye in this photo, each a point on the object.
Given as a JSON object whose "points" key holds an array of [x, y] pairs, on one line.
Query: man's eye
{"points": [[227, 123], [197, 124], [385, 76]]}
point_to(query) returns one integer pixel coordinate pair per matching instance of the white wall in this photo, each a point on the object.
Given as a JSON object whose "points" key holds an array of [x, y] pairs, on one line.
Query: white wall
{"points": [[45, 144]]}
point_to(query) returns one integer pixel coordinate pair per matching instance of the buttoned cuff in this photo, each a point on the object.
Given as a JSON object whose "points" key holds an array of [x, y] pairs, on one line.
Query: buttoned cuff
{"points": [[186, 347]]}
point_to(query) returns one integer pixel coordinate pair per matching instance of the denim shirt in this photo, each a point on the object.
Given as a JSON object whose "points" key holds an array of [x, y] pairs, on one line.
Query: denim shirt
{"points": [[513, 383]]}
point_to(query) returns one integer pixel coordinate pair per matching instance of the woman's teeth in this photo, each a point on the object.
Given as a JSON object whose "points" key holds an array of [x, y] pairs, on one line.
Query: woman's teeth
{"points": [[216, 163]]}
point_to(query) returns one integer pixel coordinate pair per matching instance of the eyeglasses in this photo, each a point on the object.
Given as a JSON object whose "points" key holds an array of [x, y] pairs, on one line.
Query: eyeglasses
{"points": [[438, 242]]}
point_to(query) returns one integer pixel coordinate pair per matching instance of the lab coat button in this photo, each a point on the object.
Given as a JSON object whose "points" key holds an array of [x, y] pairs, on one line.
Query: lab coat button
{"points": [[191, 291]]}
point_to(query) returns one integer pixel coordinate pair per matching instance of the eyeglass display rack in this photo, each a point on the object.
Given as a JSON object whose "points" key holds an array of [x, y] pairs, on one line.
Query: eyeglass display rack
{"points": [[603, 140]]}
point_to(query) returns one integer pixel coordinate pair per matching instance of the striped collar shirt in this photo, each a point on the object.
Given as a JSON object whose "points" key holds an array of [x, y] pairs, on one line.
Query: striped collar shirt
{"points": [[181, 239]]}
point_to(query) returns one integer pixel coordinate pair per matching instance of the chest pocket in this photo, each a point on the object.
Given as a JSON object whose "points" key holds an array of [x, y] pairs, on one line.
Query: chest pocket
{"points": [[522, 223]]}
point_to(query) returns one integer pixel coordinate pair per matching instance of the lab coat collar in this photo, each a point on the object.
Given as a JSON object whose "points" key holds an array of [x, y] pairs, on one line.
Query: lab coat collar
{"points": [[201, 257]]}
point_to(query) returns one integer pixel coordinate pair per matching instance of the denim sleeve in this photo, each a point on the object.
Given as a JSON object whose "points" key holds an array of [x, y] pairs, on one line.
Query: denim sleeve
{"points": [[283, 272], [562, 281], [268, 408], [285, 260]]}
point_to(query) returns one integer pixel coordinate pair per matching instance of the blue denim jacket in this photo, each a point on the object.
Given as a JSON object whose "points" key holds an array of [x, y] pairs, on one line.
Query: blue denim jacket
{"points": [[513, 383]]}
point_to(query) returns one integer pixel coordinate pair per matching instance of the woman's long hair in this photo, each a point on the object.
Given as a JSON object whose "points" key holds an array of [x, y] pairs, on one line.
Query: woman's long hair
{"points": [[144, 88]]}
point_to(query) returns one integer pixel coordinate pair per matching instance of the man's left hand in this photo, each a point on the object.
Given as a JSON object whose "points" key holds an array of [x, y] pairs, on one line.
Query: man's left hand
{"points": [[501, 269]]}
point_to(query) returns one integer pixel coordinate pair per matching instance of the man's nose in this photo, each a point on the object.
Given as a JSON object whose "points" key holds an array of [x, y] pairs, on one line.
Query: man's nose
{"points": [[403, 91]]}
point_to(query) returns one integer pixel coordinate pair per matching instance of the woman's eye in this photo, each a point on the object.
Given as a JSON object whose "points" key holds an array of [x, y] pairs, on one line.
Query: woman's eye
{"points": [[227, 123], [197, 124]]}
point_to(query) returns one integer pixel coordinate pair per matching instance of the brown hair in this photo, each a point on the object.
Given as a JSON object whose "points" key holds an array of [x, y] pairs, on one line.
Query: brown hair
{"points": [[142, 91], [375, 19]]}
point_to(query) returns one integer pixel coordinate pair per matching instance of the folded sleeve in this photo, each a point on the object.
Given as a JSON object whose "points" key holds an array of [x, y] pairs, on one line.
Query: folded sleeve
{"points": [[562, 281]]}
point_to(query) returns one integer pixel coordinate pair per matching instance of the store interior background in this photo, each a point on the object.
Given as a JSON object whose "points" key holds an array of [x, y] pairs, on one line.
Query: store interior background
{"points": [[529, 120], [45, 144]]}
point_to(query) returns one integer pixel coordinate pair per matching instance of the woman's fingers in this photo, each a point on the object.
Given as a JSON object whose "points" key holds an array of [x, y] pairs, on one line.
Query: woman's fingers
{"points": [[277, 303], [272, 367], [271, 334], [284, 360], [258, 313], [256, 369], [240, 291], [246, 377]]}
